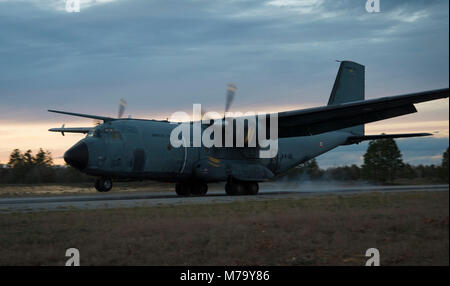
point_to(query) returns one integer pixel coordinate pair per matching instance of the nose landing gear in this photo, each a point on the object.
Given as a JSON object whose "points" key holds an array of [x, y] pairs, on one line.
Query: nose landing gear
{"points": [[103, 184]]}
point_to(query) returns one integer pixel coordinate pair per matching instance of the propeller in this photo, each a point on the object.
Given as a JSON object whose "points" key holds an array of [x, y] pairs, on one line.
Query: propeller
{"points": [[122, 106], [231, 91]]}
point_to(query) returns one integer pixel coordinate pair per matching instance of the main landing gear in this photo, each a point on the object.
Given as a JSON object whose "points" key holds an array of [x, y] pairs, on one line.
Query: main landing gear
{"points": [[234, 187], [191, 188], [103, 184]]}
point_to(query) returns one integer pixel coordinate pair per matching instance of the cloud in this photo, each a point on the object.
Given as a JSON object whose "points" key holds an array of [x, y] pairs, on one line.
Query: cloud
{"points": [[59, 5], [409, 17], [163, 56], [301, 7]]}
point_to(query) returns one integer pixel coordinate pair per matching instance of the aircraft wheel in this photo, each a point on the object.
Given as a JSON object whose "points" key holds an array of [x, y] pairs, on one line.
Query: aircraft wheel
{"points": [[235, 188], [228, 189], [183, 189], [103, 184], [252, 188], [199, 189]]}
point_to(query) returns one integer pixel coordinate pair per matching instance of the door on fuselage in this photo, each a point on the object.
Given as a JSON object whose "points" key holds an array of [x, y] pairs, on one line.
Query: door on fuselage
{"points": [[138, 160]]}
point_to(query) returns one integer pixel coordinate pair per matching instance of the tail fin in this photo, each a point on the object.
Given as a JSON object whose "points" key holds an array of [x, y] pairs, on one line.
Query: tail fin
{"points": [[348, 87]]}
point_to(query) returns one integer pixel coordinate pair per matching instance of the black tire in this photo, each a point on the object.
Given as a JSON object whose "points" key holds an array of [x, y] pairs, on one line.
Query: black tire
{"points": [[228, 190], [239, 188], [103, 184], [251, 188], [183, 189], [199, 189], [235, 188]]}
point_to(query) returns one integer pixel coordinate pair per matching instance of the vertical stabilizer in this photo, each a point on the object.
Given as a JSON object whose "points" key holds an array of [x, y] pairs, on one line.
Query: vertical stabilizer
{"points": [[348, 87]]}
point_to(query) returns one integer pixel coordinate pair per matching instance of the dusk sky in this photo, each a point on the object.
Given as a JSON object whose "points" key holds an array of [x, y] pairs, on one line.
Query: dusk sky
{"points": [[162, 56]]}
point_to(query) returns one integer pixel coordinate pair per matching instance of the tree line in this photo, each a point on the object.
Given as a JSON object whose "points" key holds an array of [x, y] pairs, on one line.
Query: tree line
{"points": [[383, 164], [26, 168]]}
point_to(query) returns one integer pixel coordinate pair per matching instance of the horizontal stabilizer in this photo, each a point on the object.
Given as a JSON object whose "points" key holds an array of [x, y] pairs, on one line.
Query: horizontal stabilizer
{"points": [[358, 139]]}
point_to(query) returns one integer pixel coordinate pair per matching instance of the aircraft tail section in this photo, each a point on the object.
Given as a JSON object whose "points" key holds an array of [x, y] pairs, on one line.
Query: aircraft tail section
{"points": [[348, 87]]}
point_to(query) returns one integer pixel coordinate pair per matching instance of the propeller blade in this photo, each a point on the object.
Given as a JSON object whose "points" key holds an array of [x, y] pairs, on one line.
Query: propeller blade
{"points": [[231, 90], [122, 106]]}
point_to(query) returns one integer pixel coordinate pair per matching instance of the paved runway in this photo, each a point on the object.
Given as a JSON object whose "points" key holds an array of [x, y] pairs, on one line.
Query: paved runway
{"points": [[143, 199]]}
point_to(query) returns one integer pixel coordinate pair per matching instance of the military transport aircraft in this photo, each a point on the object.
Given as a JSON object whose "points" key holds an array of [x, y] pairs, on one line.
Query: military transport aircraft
{"points": [[139, 149]]}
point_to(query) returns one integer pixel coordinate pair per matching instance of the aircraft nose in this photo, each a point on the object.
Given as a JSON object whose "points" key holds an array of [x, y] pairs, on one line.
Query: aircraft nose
{"points": [[77, 156]]}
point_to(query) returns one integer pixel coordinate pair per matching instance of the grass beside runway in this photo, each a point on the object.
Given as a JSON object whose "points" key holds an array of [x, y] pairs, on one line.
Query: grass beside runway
{"points": [[49, 190], [29, 190], [32, 190], [407, 228]]}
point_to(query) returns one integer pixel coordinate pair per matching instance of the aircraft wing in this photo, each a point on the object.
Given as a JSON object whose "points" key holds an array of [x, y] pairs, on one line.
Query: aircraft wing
{"points": [[104, 118], [318, 120]]}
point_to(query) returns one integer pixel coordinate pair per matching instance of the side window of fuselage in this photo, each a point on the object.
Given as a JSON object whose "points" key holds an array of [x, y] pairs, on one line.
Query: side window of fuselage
{"points": [[113, 134]]}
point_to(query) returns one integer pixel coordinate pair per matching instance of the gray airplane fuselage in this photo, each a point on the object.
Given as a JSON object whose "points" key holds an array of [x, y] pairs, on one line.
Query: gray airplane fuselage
{"points": [[141, 149]]}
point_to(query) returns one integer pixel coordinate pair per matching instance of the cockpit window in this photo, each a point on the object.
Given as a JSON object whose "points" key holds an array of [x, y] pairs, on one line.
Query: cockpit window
{"points": [[115, 135], [110, 133], [97, 132]]}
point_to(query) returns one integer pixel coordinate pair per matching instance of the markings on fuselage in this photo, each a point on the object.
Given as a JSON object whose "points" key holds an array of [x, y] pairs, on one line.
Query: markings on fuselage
{"points": [[213, 162], [214, 159]]}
